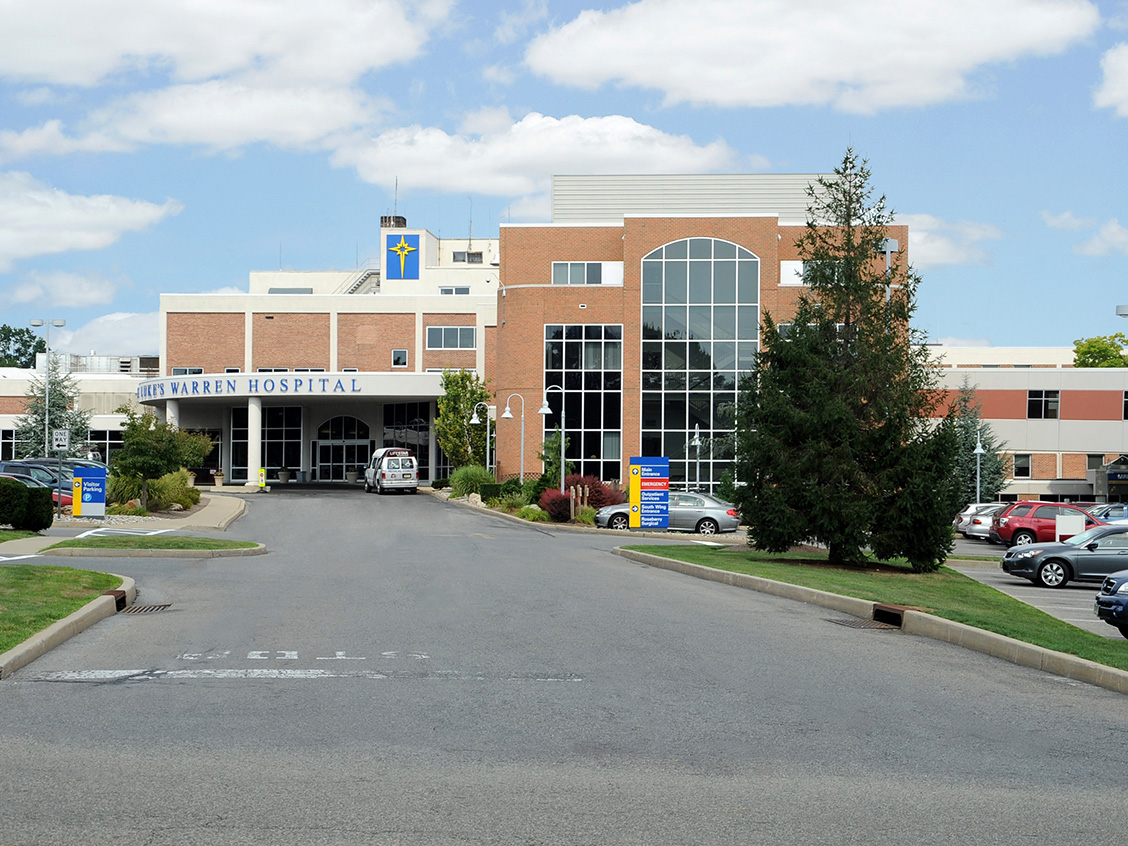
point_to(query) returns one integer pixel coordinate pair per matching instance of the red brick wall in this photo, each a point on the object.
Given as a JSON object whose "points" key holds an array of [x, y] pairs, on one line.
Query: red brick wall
{"points": [[366, 341], [212, 341], [13, 405], [290, 340]]}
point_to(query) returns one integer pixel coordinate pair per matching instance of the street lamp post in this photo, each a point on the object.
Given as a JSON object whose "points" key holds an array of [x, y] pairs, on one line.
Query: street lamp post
{"points": [[979, 453], [474, 421], [544, 409], [47, 382], [508, 415]]}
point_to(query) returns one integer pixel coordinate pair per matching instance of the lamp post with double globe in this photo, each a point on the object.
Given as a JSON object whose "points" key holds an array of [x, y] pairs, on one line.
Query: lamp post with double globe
{"points": [[545, 409], [508, 415]]}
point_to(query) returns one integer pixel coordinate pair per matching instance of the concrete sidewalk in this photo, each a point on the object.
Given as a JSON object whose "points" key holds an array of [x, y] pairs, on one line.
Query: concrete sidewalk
{"points": [[219, 511]]}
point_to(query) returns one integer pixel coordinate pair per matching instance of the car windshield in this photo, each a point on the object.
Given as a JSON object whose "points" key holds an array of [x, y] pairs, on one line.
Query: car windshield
{"points": [[1086, 536]]}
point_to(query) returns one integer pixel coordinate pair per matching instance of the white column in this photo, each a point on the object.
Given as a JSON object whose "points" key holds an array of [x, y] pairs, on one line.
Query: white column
{"points": [[172, 412], [254, 441]]}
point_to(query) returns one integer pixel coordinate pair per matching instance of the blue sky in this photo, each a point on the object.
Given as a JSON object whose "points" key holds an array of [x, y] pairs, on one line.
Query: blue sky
{"points": [[152, 146]]}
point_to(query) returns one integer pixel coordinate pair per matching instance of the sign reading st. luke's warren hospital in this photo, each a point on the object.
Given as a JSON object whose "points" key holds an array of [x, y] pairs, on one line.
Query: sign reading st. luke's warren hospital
{"points": [[293, 385], [650, 493]]}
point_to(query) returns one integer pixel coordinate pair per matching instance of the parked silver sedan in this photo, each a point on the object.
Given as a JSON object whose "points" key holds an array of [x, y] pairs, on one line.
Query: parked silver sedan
{"points": [[689, 512], [979, 525]]}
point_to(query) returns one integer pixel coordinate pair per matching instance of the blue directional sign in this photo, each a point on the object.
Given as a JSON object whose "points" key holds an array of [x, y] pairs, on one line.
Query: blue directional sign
{"points": [[650, 493], [89, 492]]}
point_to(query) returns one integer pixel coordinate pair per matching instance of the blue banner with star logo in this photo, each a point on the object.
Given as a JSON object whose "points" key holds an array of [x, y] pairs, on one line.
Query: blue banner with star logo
{"points": [[401, 259]]}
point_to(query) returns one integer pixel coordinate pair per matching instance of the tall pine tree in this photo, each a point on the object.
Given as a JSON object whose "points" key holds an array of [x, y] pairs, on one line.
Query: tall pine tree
{"points": [[836, 442]]}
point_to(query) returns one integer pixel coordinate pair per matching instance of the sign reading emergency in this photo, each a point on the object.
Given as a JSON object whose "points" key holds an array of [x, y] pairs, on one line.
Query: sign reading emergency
{"points": [[89, 492], [650, 493]]}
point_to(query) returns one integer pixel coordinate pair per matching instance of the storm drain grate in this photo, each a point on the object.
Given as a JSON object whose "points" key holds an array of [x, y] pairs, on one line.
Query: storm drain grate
{"points": [[145, 609], [856, 623]]}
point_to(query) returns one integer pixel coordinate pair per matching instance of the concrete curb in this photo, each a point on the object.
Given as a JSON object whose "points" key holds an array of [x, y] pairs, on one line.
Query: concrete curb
{"points": [[78, 552], [40, 644], [912, 622]]}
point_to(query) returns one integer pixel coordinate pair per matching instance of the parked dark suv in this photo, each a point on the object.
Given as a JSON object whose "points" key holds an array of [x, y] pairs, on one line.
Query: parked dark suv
{"points": [[1112, 601], [1035, 522]]}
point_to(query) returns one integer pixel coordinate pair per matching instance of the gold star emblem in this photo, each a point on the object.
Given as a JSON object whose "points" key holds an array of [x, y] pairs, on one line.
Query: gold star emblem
{"points": [[402, 249]]}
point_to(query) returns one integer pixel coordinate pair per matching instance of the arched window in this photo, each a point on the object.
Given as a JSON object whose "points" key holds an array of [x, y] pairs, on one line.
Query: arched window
{"points": [[700, 331]]}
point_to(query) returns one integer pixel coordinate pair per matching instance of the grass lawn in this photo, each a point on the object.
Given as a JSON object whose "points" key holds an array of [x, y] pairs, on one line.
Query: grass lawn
{"points": [[12, 534], [32, 597], [151, 542], [946, 594]]}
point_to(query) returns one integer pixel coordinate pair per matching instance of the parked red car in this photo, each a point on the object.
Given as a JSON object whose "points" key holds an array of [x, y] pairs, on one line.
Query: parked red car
{"points": [[1032, 521]]}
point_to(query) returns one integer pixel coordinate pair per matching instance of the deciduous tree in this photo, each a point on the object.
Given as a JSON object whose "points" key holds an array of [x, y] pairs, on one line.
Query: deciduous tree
{"points": [[151, 448], [1100, 351], [19, 346], [462, 442]]}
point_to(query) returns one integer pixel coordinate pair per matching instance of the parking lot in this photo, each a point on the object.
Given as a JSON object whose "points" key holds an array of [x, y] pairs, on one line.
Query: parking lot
{"points": [[1072, 603]]}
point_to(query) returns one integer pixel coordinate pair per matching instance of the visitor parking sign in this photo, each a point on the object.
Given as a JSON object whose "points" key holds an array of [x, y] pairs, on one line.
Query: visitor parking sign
{"points": [[89, 492]]}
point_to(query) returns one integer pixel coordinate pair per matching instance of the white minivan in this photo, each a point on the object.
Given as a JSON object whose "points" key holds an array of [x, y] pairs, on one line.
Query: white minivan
{"points": [[392, 469]]}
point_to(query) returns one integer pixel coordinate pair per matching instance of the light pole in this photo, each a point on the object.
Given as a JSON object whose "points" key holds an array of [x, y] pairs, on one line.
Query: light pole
{"points": [[474, 421], [979, 453], [697, 451], [508, 415], [47, 382], [544, 409]]}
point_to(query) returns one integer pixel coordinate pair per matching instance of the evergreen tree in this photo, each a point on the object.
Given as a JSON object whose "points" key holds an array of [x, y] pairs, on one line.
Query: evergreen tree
{"points": [[462, 442], [835, 436], [992, 465], [58, 396]]}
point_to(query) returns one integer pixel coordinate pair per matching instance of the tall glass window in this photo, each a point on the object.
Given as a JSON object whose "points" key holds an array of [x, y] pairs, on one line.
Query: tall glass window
{"points": [[586, 361], [700, 330]]}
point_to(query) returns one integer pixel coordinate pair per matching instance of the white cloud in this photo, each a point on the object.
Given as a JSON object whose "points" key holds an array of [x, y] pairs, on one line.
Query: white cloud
{"points": [[513, 25], [860, 57], [51, 139], [1110, 238], [69, 290], [519, 158], [120, 333], [1067, 221], [934, 242], [61, 42], [36, 219], [1113, 90], [498, 74]]}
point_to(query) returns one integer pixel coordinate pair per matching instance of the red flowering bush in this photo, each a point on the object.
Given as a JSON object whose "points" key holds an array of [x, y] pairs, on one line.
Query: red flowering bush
{"points": [[557, 505], [599, 494]]}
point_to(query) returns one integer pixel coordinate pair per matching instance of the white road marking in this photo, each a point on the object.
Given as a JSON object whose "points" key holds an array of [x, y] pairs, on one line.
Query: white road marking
{"points": [[341, 656], [106, 530], [19, 557], [271, 674]]}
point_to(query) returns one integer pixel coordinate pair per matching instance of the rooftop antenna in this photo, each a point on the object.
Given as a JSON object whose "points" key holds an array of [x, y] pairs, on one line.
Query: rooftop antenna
{"points": [[395, 199], [470, 233]]}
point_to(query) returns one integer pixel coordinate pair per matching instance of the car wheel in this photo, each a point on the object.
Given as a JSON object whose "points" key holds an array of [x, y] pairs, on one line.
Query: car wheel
{"points": [[1022, 538], [707, 526], [619, 522], [1123, 630], [367, 487], [1053, 574]]}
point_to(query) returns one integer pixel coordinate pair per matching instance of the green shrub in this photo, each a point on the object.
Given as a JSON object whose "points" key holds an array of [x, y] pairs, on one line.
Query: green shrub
{"points": [[40, 511], [13, 501], [511, 504], [512, 487], [533, 514], [439, 484], [490, 490], [558, 505], [121, 488], [586, 515], [127, 510], [469, 479], [172, 489], [534, 488], [726, 487]]}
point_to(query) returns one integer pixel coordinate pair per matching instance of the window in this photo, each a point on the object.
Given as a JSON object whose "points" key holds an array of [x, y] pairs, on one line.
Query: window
{"points": [[455, 290], [399, 358], [187, 371], [577, 273], [232, 370], [273, 370], [309, 369], [350, 369], [468, 257], [586, 362], [700, 332], [1022, 466], [1041, 405], [1094, 462], [451, 338]]}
